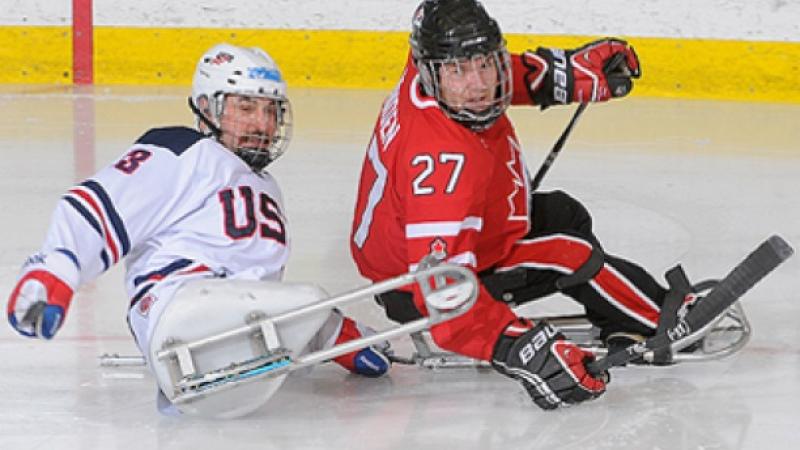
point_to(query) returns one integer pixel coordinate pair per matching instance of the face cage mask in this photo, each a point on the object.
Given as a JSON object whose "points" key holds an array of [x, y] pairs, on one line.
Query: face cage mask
{"points": [[476, 120], [252, 153]]}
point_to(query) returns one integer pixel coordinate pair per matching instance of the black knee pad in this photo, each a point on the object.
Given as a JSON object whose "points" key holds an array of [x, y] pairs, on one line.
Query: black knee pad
{"points": [[502, 285], [399, 306], [558, 211]]}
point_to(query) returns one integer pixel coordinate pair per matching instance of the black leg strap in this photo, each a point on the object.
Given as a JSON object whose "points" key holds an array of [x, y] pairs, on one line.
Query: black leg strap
{"points": [[679, 287], [501, 284], [585, 272], [399, 306]]}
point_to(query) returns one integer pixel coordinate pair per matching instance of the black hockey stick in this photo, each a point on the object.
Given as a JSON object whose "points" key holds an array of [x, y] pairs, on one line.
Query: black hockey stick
{"points": [[537, 180], [615, 64], [763, 260]]}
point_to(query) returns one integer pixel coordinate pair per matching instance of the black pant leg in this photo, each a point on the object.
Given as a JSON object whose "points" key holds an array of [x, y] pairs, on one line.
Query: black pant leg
{"points": [[605, 315], [557, 212]]}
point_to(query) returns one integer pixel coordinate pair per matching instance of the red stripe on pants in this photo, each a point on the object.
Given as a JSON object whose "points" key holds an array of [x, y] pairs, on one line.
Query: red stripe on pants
{"points": [[566, 254]]}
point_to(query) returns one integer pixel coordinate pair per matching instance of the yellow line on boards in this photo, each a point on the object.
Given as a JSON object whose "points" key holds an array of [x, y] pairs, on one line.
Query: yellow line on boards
{"points": [[683, 68], [36, 54]]}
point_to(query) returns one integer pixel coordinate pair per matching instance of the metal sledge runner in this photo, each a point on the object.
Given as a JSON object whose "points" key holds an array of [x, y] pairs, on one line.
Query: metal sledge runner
{"points": [[725, 336]]}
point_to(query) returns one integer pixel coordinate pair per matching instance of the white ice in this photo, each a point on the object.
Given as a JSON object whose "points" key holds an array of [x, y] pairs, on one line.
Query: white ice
{"points": [[667, 181]]}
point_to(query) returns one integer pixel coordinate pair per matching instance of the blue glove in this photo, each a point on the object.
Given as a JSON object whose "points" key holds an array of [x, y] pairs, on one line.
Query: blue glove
{"points": [[372, 362]]}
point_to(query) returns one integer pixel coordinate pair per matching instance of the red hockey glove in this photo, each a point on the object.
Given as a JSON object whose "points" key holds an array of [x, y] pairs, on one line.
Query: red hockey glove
{"points": [[552, 369], [40, 300], [604, 69], [595, 72]]}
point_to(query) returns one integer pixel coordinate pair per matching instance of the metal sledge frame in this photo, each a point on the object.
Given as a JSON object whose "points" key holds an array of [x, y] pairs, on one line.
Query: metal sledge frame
{"points": [[449, 291], [578, 329]]}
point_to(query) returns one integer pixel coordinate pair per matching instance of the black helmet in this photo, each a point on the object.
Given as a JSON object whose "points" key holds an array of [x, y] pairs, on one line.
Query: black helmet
{"points": [[448, 30], [443, 29]]}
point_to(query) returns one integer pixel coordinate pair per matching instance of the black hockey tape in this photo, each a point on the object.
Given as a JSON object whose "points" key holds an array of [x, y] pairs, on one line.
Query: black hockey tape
{"points": [[763, 260]]}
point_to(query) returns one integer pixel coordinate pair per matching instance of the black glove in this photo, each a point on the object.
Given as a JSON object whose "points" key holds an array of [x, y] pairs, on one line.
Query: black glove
{"points": [[551, 368], [596, 72]]}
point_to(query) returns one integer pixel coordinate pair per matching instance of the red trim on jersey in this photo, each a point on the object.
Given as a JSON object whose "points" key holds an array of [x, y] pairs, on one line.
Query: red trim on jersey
{"points": [[199, 269], [155, 277], [160, 276], [475, 332], [518, 327], [90, 201]]}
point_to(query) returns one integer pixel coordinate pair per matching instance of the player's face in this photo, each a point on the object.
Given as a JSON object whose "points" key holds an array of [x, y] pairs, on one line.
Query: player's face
{"points": [[248, 122], [468, 83]]}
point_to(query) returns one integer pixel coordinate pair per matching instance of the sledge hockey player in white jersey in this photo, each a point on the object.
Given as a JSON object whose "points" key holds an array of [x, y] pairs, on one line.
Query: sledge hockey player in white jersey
{"points": [[181, 205]]}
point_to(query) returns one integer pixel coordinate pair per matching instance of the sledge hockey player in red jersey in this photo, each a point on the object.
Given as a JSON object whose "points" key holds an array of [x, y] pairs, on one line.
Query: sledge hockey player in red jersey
{"points": [[181, 205], [444, 175]]}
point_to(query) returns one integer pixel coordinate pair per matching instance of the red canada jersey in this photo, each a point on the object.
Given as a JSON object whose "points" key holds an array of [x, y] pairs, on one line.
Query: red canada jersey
{"points": [[429, 184]]}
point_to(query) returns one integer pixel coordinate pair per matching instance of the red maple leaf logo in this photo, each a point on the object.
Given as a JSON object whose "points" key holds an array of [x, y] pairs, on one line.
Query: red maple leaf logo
{"points": [[439, 248]]}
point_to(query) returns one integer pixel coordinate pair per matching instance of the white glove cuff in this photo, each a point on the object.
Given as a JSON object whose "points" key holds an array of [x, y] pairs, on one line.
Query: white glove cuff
{"points": [[57, 263]]}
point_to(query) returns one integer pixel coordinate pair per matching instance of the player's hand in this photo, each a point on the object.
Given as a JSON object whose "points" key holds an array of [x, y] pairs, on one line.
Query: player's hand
{"points": [[595, 72], [373, 361], [604, 69], [552, 369], [39, 302]]}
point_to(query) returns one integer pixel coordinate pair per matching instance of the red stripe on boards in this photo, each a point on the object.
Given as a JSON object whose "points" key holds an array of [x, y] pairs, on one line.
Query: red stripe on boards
{"points": [[82, 42]]}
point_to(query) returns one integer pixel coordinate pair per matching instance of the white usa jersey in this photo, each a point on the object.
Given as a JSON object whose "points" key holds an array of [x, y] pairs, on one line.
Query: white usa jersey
{"points": [[176, 204]]}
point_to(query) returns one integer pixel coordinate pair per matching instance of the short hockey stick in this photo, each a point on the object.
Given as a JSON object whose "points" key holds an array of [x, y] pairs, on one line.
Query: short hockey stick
{"points": [[551, 157], [763, 260]]}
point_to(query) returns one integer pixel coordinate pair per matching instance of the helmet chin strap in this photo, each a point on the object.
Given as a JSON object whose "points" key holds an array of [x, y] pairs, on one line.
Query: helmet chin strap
{"points": [[471, 119], [256, 160], [206, 121]]}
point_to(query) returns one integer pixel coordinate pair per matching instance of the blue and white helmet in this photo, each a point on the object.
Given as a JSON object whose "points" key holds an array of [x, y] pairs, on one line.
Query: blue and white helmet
{"points": [[227, 69]]}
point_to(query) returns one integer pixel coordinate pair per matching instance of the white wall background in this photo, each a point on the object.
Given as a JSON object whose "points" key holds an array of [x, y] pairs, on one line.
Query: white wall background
{"points": [[35, 12], [768, 20]]}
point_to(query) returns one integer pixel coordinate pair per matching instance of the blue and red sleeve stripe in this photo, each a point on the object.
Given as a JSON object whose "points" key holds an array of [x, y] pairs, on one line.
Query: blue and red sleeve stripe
{"points": [[93, 203]]}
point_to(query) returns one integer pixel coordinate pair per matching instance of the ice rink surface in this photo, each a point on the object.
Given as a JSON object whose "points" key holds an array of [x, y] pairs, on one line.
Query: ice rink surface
{"points": [[667, 181]]}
